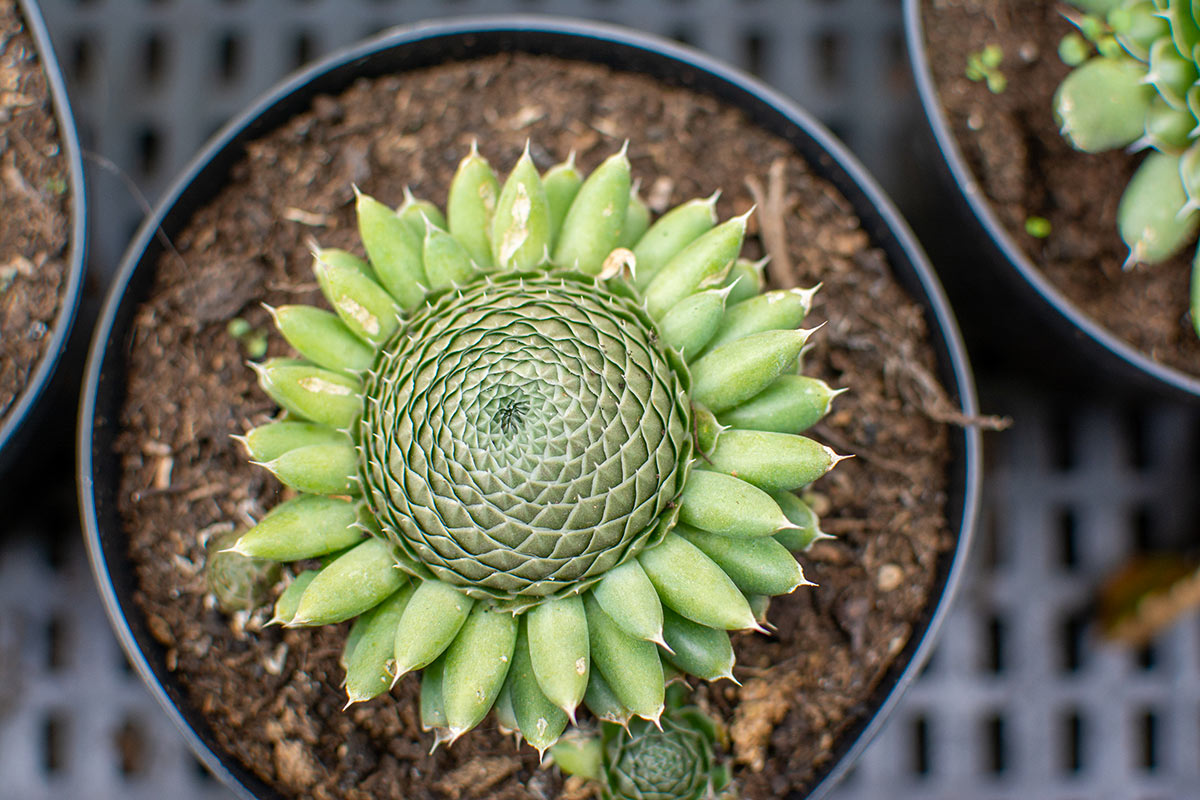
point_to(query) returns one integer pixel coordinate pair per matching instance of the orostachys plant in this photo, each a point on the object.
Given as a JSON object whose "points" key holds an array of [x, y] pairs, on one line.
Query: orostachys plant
{"points": [[681, 760], [538, 449], [1136, 84]]}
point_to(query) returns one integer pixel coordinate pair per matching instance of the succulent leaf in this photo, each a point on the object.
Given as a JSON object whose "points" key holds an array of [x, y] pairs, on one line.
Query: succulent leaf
{"points": [[720, 503], [477, 663], [807, 524], [602, 701], [759, 566], [447, 262], [694, 585], [1168, 130], [704, 260], [1137, 26], [350, 287], [731, 374], [631, 667], [420, 214], [471, 205], [268, 442], [323, 339], [637, 220], [691, 323], [784, 309], [289, 598], [791, 404], [698, 649], [394, 250], [630, 599], [672, 232], [559, 652], [773, 462], [369, 654], [320, 469], [745, 280], [539, 719], [561, 182], [593, 223], [239, 582], [432, 619], [354, 582], [1102, 104], [521, 224], [303, 527], [1149, 214]]}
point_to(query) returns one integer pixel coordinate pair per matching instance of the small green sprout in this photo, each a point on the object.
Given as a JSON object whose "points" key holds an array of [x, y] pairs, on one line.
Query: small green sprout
{"points": [[984, 65], [679, 760], [253, 340], [1073, 50], [56, 185], [1037, 227], [1092, 27], [240, 583]]}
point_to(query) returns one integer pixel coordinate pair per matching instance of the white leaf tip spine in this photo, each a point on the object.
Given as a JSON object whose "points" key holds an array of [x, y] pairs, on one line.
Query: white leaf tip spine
{"points": [[742, 218], [836, 458]]}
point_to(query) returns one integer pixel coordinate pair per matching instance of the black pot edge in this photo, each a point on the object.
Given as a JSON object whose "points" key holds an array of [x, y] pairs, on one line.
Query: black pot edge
{"points": [[880, 219], [1101, 346], [16, 428]]}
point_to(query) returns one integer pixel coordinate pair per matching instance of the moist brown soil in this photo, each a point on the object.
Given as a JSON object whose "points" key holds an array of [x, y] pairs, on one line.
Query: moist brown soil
{"points": [[273, 695], [35, 224], [1013, 147]]}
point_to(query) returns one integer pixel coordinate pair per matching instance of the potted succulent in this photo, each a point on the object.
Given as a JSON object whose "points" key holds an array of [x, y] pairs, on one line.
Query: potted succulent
{"points": [[159, 481], [1008, 97], [42, 249]]}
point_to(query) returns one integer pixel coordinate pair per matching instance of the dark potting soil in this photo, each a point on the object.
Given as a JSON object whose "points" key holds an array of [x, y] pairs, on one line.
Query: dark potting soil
{"points": [[1013, 146], [273, 695], [35, 224]]}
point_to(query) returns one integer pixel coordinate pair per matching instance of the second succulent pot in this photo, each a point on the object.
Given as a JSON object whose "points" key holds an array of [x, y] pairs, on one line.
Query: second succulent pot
{"points": [[1026, 227], [42, 283], [404, 109]]}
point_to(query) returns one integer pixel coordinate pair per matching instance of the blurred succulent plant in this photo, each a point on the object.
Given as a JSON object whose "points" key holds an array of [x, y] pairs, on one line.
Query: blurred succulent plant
{"points": [[493, 437], [679, 761], [1140, 89]]}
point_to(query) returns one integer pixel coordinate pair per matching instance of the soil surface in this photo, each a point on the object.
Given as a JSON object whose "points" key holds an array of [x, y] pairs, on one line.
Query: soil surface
{"points": [[35, 226], [273, 695], [1013, 147]]}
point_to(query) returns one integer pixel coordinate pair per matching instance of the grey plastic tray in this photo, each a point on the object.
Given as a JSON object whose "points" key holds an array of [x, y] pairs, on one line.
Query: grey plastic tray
{"points": [[1020, 700]]}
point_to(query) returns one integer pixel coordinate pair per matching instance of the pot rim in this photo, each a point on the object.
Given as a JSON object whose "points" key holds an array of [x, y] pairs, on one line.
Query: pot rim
{"points": [[1104, 341], [15, 428], [890, 232]]}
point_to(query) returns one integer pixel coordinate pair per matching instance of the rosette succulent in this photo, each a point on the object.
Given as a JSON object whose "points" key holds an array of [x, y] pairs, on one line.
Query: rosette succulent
{"points": [[540, 455], [1140, 88], [677, 761]]}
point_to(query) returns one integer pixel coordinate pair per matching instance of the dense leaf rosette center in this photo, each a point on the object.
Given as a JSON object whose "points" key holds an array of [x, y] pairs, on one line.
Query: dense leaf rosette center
{"points": [[523, 435], [674, 763]]}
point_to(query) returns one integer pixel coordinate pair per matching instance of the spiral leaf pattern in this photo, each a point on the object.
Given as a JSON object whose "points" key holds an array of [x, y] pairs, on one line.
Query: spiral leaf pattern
{"points": [[523, 436], [494, 452]]}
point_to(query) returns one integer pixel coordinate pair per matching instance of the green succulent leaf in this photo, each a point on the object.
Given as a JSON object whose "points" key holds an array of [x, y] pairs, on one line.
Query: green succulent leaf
{"points": [[1149, 217], [1103, 103]]}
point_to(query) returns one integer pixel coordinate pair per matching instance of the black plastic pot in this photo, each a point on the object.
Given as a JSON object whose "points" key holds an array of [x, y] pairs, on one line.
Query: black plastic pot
{"points": [[18, 425], [428, 45], [992, 280]]}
